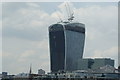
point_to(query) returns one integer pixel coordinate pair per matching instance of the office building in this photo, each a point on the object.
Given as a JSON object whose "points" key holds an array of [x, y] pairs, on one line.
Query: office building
{"points": [[66, 45], [100, 62], [4, 74], [41, 72], [85, 64]]}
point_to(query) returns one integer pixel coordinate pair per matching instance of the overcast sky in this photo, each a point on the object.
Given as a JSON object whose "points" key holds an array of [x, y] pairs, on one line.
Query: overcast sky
{"points": [[25, 32]]}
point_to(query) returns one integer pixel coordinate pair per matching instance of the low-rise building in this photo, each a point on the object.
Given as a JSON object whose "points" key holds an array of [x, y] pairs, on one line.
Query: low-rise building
{"points": [[22, 75], [88, 63], [41, 72], [100, 62]]}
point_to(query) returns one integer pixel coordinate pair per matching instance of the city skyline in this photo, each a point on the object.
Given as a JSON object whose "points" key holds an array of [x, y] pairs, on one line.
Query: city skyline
{"points": [[25, 32]]}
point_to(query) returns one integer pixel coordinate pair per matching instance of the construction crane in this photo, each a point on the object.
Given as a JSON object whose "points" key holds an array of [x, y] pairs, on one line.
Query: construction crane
{"points": [[69, 12]]}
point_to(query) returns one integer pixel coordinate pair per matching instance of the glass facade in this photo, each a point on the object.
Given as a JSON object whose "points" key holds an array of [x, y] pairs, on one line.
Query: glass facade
{"points": [[66, 45], [57, 47], [74, 48]]}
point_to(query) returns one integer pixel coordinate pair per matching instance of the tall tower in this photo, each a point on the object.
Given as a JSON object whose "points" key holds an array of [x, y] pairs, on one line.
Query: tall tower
{"points": [[66, 45]]}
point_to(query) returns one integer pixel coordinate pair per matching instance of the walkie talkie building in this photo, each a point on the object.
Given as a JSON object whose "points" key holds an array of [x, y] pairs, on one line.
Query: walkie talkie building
{"points": [[66, 45]]}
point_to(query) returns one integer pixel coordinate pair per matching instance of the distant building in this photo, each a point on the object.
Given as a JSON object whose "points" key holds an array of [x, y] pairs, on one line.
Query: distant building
{"points": [[22, 75], [41, 72], [85, 64], [0, 76], [105, 69], [100, 62], [4, 74], [66, 45], [119, 69]]}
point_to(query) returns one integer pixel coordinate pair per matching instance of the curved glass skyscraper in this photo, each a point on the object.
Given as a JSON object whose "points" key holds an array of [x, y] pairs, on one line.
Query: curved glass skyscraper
{"points": [[66, 45]]}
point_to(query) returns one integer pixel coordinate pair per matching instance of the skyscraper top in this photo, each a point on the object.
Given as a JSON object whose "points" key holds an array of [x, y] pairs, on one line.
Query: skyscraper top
{"points": [[77, 27]]}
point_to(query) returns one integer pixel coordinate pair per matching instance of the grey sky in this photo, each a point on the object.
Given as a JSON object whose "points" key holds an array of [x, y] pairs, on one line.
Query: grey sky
{"points": [[25, 32]]}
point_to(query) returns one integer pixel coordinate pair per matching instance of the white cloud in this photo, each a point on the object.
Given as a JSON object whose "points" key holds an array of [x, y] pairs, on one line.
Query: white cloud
{"points": [[27, 53], [108, 53], [58, 16], [22, 52], [113, 52], [101, 28], [36, 23], [27, 21], [32, 5], [41, 44]]}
